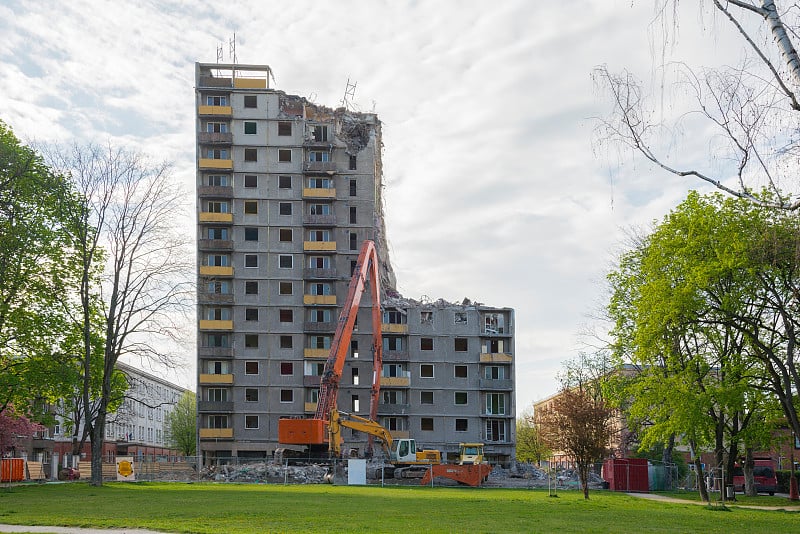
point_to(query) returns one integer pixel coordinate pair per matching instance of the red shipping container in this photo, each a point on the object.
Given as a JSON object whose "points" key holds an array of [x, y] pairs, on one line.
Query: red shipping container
{"points": [[12, 470], [626, 474]]}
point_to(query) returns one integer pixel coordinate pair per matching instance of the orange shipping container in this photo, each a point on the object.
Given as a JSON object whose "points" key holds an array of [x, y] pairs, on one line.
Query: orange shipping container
{"points": [[12, 470]]}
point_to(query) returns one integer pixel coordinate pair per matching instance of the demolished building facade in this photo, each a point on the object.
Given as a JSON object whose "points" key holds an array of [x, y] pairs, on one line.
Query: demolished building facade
{"points": [[287, 190]]}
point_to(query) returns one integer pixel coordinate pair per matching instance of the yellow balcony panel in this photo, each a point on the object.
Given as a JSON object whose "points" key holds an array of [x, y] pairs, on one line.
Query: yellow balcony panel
{"points": [[319, 245], [316, 353], [206, 433], [396, 381], [250, 83], [216, 379], [493, 357], [210, 163], [313, 192], [214, 110], [399, 434], [319, 299], [215, 325], [213, 270], [394, 328], [310, 407], [210, 216]]}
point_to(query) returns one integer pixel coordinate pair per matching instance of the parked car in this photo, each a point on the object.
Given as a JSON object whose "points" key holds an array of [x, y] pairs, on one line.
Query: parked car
{"points": [[763, 475]]}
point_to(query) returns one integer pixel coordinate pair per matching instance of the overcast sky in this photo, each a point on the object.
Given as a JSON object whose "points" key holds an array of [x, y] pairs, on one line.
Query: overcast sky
{"points": [[494, 188]]}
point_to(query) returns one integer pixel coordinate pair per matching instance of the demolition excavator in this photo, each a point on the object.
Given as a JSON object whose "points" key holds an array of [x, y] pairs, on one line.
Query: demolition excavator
{"points": [[323, 430]]}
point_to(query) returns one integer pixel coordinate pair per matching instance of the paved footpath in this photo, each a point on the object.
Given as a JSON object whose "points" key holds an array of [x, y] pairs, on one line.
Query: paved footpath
{"points": [[664, 498], [75, 530]]}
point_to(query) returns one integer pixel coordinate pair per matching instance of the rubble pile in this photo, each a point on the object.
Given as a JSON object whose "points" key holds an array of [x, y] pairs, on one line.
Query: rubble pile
{"points": [[266, 472]]}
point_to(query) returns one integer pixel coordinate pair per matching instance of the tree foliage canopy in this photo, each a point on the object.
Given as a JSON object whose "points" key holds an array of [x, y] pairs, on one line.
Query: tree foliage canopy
{"points": [[181, 425]]}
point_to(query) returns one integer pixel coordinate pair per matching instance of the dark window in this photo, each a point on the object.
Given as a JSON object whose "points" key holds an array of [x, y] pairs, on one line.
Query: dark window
{"points": [[354, 348], [352, 188], [285, 235], [285, 208], [251, 314], [285, 155], [285, 288], [250, 260], [249, 127], [251, 207], [320, 133], [285, 182], [251, 341], [250, 180], [461, 425], [250, 154], [426, 423], [285, 262], [352, 163], [251, 288], [285, 316], [251, 395], [460, 397], [251, 422], [284, 128], [287, 368], [426, 343], [287, 395], [353, 265], [353, 241], [250, 101], [251, 368], [286, 342], [460, 344], [426, 397], [250, 234], [426, 370], [460, 371], [352, 215]]}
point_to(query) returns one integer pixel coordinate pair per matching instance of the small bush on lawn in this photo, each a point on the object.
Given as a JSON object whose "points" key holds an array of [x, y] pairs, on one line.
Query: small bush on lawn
{"points": [[783, 479]]}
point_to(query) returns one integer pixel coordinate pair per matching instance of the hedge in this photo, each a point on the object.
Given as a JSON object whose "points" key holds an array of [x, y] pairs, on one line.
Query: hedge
{"points": [[783, 479]]}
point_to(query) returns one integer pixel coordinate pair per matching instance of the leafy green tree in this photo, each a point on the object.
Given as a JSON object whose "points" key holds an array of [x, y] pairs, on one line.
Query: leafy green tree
{"points": [[181, 425], [37, 267], [531, 446]]}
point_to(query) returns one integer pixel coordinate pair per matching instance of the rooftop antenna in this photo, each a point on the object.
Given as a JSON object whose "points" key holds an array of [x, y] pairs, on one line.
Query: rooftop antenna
{"points": [[232, 48], [349, 94], [219, 53]]}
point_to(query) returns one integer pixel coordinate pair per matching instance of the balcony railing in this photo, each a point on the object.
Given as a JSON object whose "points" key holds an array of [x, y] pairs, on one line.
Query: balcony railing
{"points": [[397, 381], [215, 298], [218, 111], [215, 270], [394, 328], [206, 324], [211, 163], [496, 357], [216, 379], [215, 352], [324, 167], [213, 216], [320, 273], [329, 300], [309, 406], [319, 220], [215, 138], [312, 326], [393, 409], [215, 406], [497, 385], [320, 246], [395, 355], [215, 244], [215, 191], [311, 380], [316, 353], [216, 433]]}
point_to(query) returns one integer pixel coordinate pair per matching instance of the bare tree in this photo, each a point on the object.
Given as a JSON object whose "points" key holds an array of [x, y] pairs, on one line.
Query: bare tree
{"points": [[747, 115], [136, 268], [578, 424]]}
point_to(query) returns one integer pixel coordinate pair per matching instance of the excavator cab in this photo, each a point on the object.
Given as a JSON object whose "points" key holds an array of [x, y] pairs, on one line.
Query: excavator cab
{"points": [[403, 451], [470, 453]]}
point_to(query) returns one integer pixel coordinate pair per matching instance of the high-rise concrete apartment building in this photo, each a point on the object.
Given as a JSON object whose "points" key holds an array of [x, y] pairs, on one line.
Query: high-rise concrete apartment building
{"points": [[287, 191]]}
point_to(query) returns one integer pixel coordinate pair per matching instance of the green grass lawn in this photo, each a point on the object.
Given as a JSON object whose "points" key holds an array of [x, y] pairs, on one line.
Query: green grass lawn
{"points": [[321, 508]]}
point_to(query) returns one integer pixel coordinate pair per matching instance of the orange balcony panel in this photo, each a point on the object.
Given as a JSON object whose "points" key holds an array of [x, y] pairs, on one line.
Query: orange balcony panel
{"points": [[250, 83], [320, 299], [490, 357], [316, 353], [319, 245], [210, 433], [213, 270], [312, 192], [210, 163], [396, 381], [215, 110], [216, 379], [210, 216], [215, 325]]}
